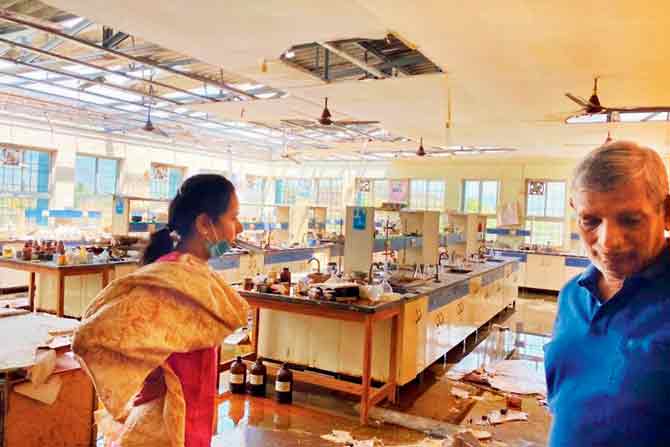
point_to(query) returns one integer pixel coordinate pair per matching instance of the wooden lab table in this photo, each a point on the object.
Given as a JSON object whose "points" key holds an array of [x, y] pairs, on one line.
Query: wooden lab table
{"points": [[363, 312], [60, 272]]}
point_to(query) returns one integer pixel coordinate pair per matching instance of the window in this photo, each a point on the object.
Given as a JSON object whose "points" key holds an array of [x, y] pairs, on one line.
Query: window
{"points": [[252, 189], [545, 211], [165, 181], [24, 176], [95, 176], [329, 192], [24, 171], [480, 196], [294, 190], [427, 194], [374, 192]]}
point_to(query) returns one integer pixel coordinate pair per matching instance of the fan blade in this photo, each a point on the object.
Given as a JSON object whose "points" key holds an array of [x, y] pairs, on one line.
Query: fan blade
{"points": [[581, 101], [161, 132], [348, 123], [655, 109]]}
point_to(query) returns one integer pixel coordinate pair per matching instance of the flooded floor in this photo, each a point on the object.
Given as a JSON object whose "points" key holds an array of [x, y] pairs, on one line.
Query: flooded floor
{"points": [[425, 407]]}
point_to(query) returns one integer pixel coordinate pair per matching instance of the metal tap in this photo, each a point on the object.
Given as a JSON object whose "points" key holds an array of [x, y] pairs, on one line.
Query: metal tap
{"points": [[318, 263]]}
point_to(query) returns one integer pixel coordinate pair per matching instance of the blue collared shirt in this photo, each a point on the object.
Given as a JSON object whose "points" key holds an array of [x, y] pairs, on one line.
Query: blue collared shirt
{"points": [[608, 363]]}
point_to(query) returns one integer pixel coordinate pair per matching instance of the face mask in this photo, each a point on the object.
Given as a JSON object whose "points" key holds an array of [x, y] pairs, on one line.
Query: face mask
{"points": [[217, 249]]}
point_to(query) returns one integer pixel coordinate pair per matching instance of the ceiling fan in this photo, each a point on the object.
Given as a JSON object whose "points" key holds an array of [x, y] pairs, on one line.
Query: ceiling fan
{"points": [[149, 126], [326, 119], [593, 105]]}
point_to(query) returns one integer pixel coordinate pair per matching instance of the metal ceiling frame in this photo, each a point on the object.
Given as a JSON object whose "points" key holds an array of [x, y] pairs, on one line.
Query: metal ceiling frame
{"points": [[103, 69], [14, 18]]}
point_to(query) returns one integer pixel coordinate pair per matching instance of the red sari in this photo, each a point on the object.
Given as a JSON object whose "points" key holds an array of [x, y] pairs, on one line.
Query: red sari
{"points": [[197, 372]]}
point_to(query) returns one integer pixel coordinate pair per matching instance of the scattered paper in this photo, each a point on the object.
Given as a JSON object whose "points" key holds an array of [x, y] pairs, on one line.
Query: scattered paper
{"points": [[60, 342], [460, 393], [495, 417], [46, 393], [45, 363], [479, 434], [519, 377], [238, 337], [339, 437], [465, 439]]}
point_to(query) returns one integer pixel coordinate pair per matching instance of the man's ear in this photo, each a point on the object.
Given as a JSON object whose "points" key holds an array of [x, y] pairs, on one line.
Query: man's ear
{"points": [[572, 203]]}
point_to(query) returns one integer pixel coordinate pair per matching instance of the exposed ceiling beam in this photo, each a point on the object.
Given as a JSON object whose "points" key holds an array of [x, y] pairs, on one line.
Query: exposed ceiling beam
{"points": [[400, 62], [103, 69], [55, 42], [346, 56], [13, 18], [113, 40], [367, 47], [301, 69], [90, 80]]}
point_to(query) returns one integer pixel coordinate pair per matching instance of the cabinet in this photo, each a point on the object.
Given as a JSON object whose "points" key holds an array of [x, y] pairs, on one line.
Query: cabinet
{"points": [[545, 272], [413, 335]]}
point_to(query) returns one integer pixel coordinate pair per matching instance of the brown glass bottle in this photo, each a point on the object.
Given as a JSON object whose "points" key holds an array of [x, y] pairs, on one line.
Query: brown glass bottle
{"points": [[238, 376], [61, 248], [258, 376], [285, 275], [284, 385]]}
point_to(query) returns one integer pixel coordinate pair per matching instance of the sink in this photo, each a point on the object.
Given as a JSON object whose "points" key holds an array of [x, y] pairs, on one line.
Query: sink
{"points": [[459, 270]]}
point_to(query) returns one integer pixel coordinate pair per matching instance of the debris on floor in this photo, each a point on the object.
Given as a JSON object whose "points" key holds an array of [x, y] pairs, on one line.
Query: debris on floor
{"points": [[512, 376], [481, 435], [460, 393], [502, 416], [344, 437]]}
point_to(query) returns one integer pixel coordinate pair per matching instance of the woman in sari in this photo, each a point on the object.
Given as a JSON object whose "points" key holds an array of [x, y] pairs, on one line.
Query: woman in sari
{"points": [[149, 340]]}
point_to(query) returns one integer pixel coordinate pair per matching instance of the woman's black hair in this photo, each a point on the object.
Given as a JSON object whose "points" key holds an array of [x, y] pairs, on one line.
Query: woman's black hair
{"points": [[203, 193]]}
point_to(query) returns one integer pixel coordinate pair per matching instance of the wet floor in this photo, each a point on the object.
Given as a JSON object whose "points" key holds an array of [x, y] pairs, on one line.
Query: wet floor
{"points": [[425, 403]]}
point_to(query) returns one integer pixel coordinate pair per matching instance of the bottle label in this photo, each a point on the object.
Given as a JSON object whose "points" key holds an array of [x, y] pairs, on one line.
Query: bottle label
{"points": [[282, 387], [237, 379], [255, 379]]}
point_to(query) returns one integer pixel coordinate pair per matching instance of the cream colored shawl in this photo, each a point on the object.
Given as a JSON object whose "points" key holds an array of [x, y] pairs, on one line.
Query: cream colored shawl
{"points": [[133, 326]]}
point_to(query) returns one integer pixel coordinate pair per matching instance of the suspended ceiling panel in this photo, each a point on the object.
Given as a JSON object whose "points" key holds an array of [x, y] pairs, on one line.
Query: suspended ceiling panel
{"points": [[232, 34]]}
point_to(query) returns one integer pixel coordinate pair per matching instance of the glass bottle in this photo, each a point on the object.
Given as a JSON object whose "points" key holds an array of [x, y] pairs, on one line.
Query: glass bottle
{"points": [[257, 378], [284, 385], [238, 376]]}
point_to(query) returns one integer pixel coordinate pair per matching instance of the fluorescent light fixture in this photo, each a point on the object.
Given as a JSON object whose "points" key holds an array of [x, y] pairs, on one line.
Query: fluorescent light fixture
{"points": [[587, 119], [181, 110], [113, 93], [289, 54], [81, 69], [440, 154], [467, 152]]}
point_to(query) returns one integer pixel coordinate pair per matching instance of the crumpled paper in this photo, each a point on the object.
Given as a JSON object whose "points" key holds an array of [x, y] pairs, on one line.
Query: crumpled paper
{"points": [[46, 392]]}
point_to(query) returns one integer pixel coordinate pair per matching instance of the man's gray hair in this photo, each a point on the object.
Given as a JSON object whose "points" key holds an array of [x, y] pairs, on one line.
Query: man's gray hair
{"points": [[617, 163]]}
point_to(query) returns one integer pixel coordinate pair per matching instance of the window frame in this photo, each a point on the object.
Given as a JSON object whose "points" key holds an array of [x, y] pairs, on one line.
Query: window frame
{"points": [[97, 173], [426, 194], [169, 166], [479, 199], [531, 219]]}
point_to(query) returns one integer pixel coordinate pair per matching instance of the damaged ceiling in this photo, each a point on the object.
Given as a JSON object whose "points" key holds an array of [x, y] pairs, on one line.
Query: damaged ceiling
{"points": [[492, 74]]}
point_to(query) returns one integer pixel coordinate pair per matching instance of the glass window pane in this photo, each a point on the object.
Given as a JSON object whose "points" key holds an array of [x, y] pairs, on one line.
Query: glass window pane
{"points": [[535, 202], [417, 194], [556, 199], [107, 175], [545, 232], [471, 196], [489, 197], [435, 195], [381, 191]]}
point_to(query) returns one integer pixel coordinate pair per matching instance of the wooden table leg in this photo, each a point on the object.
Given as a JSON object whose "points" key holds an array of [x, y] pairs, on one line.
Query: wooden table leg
{"points": [[31, 292], [60, 307], [393, 362], [367, 367], [105, 278], [254, 335]]}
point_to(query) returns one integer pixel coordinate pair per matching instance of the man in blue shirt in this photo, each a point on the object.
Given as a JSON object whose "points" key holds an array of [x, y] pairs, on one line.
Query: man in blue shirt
{"points": [[608, 364]]}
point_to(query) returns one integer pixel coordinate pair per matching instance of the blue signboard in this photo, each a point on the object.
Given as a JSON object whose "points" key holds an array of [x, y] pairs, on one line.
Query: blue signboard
{"points": [[360, 218]]}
